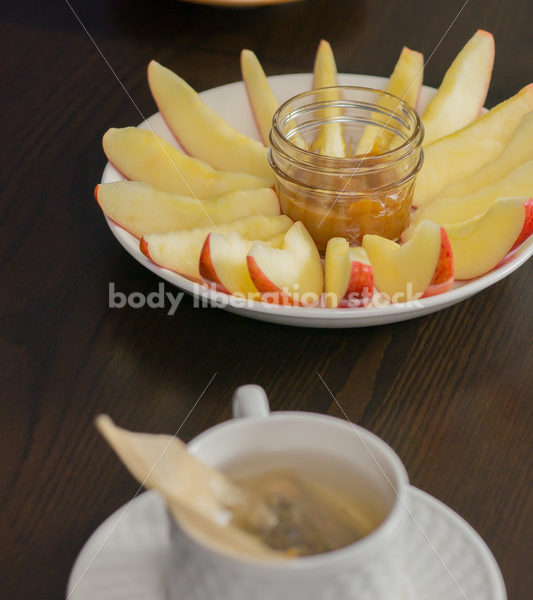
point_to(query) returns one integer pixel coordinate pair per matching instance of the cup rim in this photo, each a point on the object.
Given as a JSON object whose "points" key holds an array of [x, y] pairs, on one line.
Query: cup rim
{"points": [[367, 546]]}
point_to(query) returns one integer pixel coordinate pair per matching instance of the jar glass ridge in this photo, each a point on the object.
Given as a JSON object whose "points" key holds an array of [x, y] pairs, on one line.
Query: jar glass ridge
{"points": [[355, 194]]}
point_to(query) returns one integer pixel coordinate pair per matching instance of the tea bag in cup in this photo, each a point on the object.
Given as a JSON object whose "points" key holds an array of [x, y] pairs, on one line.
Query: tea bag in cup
{"points": [[221, 513], [312, 518]]}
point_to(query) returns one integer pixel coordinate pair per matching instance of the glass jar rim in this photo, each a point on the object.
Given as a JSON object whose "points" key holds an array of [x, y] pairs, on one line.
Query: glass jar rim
{"points": [[281, 143]]}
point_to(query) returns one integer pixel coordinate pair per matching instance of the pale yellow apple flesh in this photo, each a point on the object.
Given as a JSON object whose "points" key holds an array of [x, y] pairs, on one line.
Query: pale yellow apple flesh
{"points": [[518, 151], [455, 210], [405, 83], [223, 263], [480, 244], [141, 209], [463, 90], [460, 154], [329, 140], [201, 131], [421, 267], [141, 155], [262, 99], [180, 250], [290, 275], [348, 275]]}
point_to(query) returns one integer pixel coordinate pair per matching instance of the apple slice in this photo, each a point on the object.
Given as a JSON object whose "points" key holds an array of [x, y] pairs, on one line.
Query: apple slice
{"points": [[480, 244], [455, 210], [328, 140], [223, 263], [262, 99], [180, 250], [421, 267], [141, 155], [460, 154], [405, 83], [291, 275], [140, 209], [201, 131], [463, 90], [348, 275], [518, 151]]}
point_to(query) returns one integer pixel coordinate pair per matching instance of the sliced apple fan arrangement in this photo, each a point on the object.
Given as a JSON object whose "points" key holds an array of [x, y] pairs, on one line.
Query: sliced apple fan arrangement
{"points": [[212, 215]]}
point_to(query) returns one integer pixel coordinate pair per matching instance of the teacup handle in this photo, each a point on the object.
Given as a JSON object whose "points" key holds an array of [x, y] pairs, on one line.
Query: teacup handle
{"points": [[250, 401]]}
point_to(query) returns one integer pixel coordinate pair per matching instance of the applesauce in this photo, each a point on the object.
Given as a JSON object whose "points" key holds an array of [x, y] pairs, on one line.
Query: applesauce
{"points": [[356, 194]]}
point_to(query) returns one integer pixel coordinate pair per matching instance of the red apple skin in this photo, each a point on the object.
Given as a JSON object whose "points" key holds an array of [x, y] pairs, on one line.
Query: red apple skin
{"points": [[143, 247], [360, 287], [270, 293], [443, 276], [207, 270], [527, 229], [433, 289]]}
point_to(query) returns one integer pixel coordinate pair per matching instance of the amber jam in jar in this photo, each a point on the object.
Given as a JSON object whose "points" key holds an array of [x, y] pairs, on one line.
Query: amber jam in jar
{"points": [[355, 194]]}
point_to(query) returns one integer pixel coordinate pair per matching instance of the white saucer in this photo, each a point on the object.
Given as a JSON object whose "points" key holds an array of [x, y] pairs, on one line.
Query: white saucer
{"points": [[127, 557]]}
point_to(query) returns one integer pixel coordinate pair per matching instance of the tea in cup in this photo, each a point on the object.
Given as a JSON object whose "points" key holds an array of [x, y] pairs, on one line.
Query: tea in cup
{"points": [[338, 492]]}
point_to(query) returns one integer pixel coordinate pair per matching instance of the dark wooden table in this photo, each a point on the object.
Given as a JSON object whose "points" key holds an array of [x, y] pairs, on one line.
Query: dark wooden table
{"points": [[451, 392]]}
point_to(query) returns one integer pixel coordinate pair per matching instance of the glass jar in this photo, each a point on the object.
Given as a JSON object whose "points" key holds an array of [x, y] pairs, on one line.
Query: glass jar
{"points": [[355, 194]]}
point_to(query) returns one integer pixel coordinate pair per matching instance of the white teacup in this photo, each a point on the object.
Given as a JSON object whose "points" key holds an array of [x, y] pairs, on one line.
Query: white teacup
{"points": [[370, 569]]}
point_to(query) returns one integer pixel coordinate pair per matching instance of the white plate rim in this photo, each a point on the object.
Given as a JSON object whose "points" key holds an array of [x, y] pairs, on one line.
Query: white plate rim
{"points": [[312, 316]]}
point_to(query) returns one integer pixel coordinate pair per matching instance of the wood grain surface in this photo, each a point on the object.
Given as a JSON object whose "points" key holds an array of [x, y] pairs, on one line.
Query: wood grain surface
{"points": [[451, 392]]}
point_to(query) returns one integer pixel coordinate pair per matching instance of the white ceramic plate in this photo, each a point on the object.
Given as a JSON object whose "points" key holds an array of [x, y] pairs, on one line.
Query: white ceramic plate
{"points": [[127, 557], [231, 102]]}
